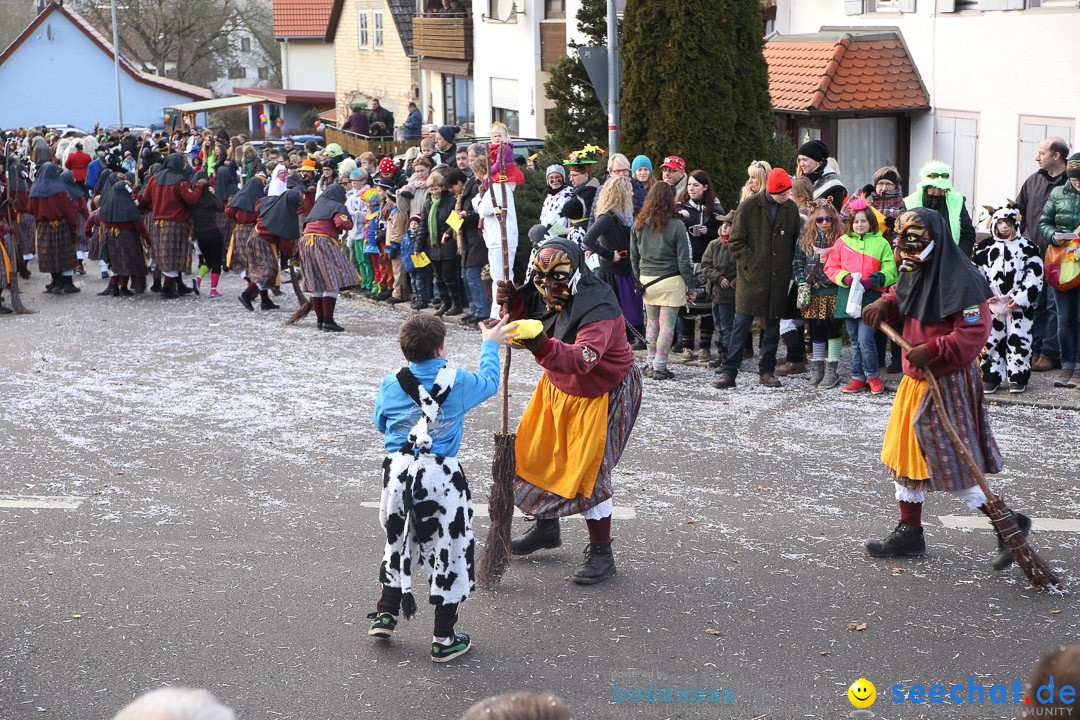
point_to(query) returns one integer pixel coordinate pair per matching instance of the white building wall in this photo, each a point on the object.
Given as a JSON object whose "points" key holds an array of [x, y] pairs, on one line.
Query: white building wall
{"points": [[973, 62], [307, 65], [509, 51]]}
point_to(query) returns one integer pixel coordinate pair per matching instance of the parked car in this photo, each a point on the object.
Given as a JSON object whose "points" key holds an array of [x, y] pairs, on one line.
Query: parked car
{"points": [[523, 147], [63, 129]]}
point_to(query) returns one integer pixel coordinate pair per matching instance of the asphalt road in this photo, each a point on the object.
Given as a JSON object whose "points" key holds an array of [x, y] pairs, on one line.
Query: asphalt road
{"points": [[218, 462]]}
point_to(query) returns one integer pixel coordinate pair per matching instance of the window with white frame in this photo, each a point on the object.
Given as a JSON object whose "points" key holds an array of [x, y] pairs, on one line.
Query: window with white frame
{"points": [[956, 142], [377, 27], [1033, 130], [859, 7], [362, 30]]}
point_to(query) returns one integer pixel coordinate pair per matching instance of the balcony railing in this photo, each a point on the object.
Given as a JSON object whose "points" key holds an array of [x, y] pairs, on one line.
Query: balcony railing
{"points": [[449, 38]]}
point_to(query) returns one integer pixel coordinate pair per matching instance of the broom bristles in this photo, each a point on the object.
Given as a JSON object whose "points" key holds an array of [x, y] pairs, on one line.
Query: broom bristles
{"points": [[300, 314], [496, 556]]}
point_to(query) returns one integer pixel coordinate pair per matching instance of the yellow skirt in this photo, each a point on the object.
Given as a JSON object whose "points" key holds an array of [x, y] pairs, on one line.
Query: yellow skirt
{"points": [[561, 439], [900, 450]]}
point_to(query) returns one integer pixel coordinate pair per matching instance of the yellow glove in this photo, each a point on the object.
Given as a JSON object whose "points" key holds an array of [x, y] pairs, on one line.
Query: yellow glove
{"points": [[524, 330]]}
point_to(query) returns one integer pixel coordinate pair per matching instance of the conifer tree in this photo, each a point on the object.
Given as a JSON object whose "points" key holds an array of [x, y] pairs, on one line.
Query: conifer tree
{"points": [[695, 84]]}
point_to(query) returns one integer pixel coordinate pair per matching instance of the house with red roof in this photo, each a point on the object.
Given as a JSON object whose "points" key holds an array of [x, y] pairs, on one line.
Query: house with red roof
{"points": [[307, 59], [60, 70]]}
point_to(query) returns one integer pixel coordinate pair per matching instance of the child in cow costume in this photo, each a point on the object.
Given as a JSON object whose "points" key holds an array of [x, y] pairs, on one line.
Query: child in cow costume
{"points": [[426, 508], [1013, 266]]}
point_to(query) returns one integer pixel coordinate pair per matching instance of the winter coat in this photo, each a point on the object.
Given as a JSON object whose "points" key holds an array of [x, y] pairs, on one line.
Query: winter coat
{"points": [[870, 256], [764, 250], [442, 246], [474, 250], [1061, 213], [655, 254], [1031, 201], [698, 217], [717, 263]]}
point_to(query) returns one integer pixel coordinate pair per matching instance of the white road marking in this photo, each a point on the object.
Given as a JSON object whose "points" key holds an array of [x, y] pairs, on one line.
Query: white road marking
{"points": [[979, 522], [481, 510], [41, 502]]}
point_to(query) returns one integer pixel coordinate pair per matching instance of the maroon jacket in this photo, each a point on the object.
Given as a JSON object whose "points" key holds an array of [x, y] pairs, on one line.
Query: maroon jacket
{"points": [[170, 202], [55, 207], [954, 343]]}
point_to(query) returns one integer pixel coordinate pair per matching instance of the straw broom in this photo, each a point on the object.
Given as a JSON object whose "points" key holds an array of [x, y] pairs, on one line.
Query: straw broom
{"points": [[1039, 574], [496, 557]]}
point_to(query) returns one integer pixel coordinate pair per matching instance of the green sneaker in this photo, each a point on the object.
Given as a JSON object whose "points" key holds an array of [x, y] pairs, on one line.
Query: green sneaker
{"points": [[445, 653], [382, 625]]}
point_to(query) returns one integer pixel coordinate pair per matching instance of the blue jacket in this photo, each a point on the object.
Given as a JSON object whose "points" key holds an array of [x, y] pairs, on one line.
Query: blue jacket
{"points": [[412, 125], [396, 413]]}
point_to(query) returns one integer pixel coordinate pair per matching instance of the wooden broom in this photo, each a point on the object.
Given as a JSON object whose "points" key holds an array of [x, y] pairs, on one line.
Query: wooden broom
{"points": [[1039, 574], [496, 557]]}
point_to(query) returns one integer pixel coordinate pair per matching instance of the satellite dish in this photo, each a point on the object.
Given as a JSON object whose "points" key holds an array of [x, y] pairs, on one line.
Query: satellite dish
{"points": [[505, 10]]}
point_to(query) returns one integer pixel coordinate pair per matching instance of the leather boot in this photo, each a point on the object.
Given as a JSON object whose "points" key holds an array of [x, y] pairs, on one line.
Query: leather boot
{"points": [[817, 372], [903, 540], [443, 307], [599, 564], [1004, 556], [543, 535], [832, 375], [4, 310], [68, 287]]}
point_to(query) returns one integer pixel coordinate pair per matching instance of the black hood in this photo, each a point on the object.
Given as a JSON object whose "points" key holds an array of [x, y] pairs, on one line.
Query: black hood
{"points": [[278, 214], [253, 191]]}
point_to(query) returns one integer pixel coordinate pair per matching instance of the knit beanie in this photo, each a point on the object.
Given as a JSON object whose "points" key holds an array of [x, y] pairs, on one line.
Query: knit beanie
{"points": [[778, 181], [641, 161], [1072, 166], [815, 150], [448, 132], [555, 170]]}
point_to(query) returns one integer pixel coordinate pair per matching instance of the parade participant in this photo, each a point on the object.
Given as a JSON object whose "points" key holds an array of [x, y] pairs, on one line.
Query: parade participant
{"points": [[55, 227], [276, 231], [326, 269], [124, 234], [19, 189], [1013, 267], [242, 211], [579, 419], [78, 198], [822, 230], [207, 232], [279, 181], [170, 195], [864, 252], [935, 191], [941, 298], [812, 159], [426, 507]]}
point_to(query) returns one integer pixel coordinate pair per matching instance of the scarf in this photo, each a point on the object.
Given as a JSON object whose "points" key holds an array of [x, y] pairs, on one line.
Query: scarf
{"points": [[48, 182], [248, 196], [889, 203], [117, 205], [591, 298], [278, 181], [433, 219], [947, 282], [278, 214], [172, 171], [329, 204]]}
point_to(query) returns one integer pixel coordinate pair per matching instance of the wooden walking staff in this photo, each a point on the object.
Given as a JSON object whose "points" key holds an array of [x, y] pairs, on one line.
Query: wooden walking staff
{"points": [[1039, 574], [496, 556]]}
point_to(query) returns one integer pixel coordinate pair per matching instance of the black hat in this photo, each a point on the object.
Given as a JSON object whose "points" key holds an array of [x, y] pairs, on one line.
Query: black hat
{"points": [[448, 132], [816, 150]]}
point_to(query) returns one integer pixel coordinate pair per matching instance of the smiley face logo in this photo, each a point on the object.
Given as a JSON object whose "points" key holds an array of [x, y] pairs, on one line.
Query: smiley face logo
{"points": [[862, 693]]}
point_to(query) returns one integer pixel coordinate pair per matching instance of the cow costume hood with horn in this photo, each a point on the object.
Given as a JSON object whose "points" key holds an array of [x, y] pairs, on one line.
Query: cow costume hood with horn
{"points": [[580, 416]]}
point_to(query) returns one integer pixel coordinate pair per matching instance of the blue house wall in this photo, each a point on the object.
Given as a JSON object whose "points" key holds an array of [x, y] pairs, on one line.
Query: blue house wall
{"points": [[69, 79]]}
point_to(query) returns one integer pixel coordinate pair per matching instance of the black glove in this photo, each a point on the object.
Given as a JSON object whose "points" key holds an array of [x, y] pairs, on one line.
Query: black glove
{"points": [[505, 292]]}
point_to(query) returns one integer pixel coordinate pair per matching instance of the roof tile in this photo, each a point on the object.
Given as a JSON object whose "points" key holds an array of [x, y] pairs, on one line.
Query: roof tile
{"points": [[301, 18]]}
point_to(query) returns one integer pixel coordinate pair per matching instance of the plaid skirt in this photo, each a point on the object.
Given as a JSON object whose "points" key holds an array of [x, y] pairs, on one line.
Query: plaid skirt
{"points": [[225, 224], [82, 242], [8, 259], [238, 250], [126, 256], [24, 228], [171, 245], [55, 246], [325, 267], [624, 401], [96, 243], [915, 422], [262, 261]]}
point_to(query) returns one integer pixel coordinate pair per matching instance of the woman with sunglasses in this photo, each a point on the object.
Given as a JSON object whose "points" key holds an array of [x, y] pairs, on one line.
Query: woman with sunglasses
{"points": [[756, 173], [819, 236], [935, 192]]}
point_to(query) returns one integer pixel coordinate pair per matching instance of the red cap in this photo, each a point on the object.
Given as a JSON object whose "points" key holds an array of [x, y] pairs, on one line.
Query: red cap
{"points": [[778, 181], [386, 165], [674, 162]]}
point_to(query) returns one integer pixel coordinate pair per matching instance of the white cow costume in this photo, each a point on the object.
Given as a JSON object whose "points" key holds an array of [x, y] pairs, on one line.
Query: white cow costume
{"points": [[1014, 268]]}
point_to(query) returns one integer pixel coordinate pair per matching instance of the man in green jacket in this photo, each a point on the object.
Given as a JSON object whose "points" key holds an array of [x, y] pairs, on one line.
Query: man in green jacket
{"points": [[762, 240]]}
